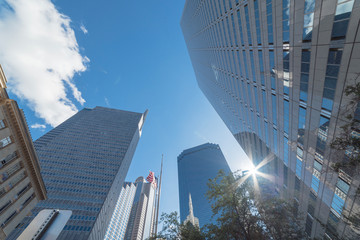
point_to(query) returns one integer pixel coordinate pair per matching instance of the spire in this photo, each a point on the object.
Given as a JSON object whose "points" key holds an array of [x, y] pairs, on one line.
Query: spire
{"points": [[191, 210], [191, 218]]}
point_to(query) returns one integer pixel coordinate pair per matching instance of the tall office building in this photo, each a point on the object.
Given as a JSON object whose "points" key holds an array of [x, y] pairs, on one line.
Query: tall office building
{"points": [[275, 71], [134, 215], [195, 167], [21, 185], [84, 162]]}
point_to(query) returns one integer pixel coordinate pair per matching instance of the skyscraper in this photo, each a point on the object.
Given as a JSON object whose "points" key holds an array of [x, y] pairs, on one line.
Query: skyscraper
{"points": [[195, 167], [84, 162], [134, 214], [275, 71], [21, 185]]}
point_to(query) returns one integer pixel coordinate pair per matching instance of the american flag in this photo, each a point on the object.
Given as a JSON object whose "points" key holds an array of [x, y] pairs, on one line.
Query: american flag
{"points": [[151, 177]]}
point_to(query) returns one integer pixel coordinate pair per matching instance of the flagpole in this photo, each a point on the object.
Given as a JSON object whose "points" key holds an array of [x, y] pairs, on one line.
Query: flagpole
{"points": [[158, 200]]}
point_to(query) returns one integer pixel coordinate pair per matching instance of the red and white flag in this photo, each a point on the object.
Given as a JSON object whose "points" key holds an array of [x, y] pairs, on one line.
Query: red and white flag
{"points": [[151, 177]]}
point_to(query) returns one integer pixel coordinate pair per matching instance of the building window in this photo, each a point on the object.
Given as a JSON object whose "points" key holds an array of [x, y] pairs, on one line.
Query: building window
{"points": [[286, 116], [261, 65], [252, 65], [332, 71], [265, 105], [342, 18], [275, 141], [301, 125], [245, 65], [298, 167], [286, 151], [2, 124], [4, 142], [257, 22], [240, 28], [248, 29], [269, 21], [274, 112], [286, 71], [304, 79], [286, 21], [308, 19], [272, 69]]}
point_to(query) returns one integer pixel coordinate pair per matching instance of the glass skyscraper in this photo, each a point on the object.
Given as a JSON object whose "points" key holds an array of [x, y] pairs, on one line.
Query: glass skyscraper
{"points": [[84, 162], [275, 71], [195, 167]]}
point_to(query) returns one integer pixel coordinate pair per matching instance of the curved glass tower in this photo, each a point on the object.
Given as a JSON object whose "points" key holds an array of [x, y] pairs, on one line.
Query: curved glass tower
{"points": [[195, 167], [275, 71]]}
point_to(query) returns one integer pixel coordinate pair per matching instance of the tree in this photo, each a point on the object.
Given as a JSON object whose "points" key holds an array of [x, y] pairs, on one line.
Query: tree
{"points": [[241, 215], [281, 219], [348, 140], [172, 229]]}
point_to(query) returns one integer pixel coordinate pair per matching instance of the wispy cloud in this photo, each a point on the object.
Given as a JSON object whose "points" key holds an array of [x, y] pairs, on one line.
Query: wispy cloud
{"points": [[40, 56], [83, 29], [107, 101], [38, 125]]}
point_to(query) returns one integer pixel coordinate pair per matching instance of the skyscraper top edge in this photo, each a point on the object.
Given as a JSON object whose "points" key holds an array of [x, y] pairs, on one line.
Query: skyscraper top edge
{"points": [[197, 148], [115, 109]]}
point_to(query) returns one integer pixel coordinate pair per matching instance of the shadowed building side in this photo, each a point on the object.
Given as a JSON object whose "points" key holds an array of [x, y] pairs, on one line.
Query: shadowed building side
{"points": [[21, 185]]}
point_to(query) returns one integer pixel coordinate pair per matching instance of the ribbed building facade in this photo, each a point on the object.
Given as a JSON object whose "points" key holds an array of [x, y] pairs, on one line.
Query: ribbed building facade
{"points": [[275, 71], [21, 185], [195, 167], [84, 162], [134, 214]]}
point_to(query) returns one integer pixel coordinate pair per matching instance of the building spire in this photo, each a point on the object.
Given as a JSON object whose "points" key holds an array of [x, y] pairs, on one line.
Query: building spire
{"points": [[191, 218]]}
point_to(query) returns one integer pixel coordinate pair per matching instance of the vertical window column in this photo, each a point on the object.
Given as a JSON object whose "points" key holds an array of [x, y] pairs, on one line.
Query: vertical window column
{"points": [[304, 78], [261, 64], [257, 22], [286, 20], [286, 71], [248, 29], [309, 9], [332, 72], [240, 27], [269, 21], [272, 69], [341, 19]]}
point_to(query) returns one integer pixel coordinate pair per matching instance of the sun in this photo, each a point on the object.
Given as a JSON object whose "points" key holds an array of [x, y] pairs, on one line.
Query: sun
{"points": [[253, 171]]}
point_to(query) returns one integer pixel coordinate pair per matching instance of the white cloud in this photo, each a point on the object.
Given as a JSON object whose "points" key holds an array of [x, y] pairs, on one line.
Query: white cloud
{"points": [[83, 28], [107, 101], [40, 56], [38, 125]]}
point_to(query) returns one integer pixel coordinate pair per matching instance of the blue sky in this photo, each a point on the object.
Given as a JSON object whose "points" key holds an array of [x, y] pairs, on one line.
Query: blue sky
{"points": [[125, 54]]}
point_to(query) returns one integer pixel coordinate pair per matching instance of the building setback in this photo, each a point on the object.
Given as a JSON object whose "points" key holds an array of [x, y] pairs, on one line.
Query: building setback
{"points": [[84, 162], [275, 72], [195, 167], [21, 185], [134, 215]]}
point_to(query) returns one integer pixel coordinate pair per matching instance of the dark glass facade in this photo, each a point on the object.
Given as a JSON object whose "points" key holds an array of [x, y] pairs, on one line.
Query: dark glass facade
{"points": [[276, 75], [84, 162], [195, 167]]}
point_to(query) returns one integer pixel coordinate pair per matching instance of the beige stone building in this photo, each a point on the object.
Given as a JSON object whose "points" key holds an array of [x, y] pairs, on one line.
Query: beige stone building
{"points": [[21, 185]]}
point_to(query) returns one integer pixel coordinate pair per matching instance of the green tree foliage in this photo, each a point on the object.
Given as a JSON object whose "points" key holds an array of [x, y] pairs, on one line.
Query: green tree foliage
{"points": [[348, 140], [240, 215], [172, 229], [243, 215]]}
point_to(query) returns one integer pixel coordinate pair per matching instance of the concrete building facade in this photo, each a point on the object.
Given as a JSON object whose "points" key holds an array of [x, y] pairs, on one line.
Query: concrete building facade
{"points": [[21, 185], [275, 71]]}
